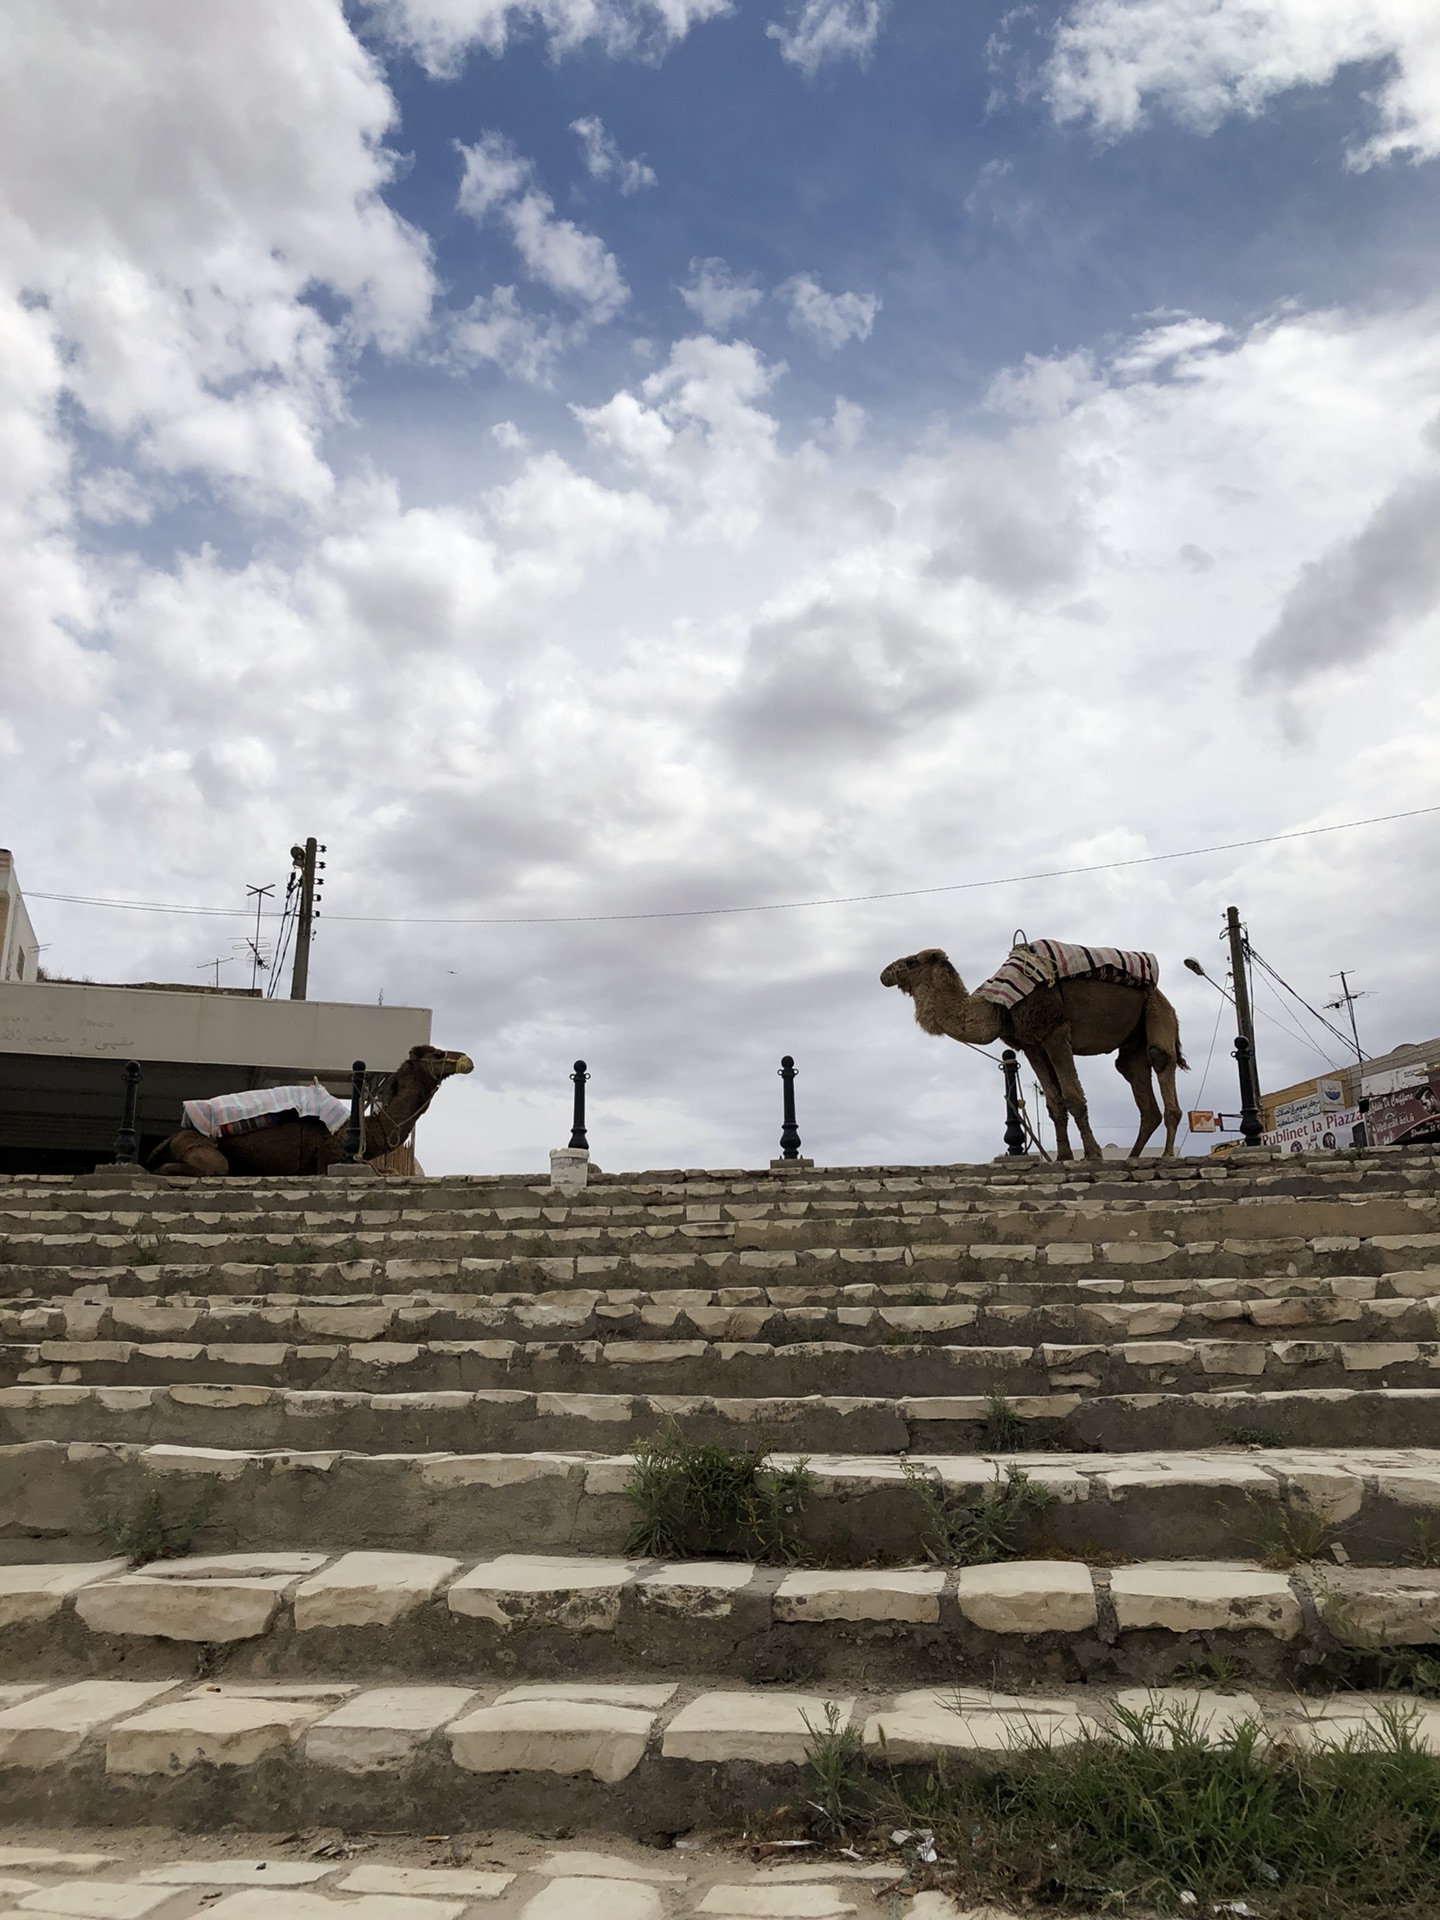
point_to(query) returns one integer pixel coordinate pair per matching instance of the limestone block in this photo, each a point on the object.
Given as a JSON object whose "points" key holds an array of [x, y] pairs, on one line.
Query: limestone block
{"points": [[787, 1903], [772, 1728], [217, 1727], [694, 1589], [924, 1724], [464, 1882], [370, 1589], [1331, 1492], [344, 1323], [53, 1860], [236, 1873], [255, 1904], [1065, 1253], [552, 1736], [222, 1598], [595, 1900], [528, 1590], [495, 1469], [1028, 1596], [901, 1593], [96, 1900], [603, 1693], [383, 1728], [606, 1866], [1136, 1253], [37, 1592], [1356, 1716], [1206, 1597], [1395, 1606], [43, 1731]]}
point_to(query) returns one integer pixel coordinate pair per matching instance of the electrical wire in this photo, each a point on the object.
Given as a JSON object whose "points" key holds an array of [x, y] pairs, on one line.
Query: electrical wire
{"points": [[1329, 1026], [776, 906], [1289, 1025], [1214, 1035]]}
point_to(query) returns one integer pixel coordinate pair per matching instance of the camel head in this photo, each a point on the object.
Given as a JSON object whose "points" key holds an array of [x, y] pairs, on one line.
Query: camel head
{"points": [[916, 968]]}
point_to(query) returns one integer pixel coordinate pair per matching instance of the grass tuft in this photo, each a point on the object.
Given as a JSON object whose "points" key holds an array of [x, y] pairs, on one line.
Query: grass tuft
{"points": [[1004, 1429], [1163, 1821], [699, 1500], [150, 1530], [993, 1527], [1286, 1535], [833, 1755]]}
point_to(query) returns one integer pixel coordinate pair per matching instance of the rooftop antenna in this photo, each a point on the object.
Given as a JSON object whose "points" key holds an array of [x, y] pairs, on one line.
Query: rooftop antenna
{"points": [[1346, 999], [220, 960], [258, 963]]}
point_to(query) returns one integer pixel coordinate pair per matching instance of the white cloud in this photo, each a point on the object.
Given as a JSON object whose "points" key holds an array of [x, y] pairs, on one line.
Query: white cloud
{"points": [[1114, 61], [572, 263], [169, 235], [440, 33], [717, 298], [829, 319], [817, 31], [604, 160]]}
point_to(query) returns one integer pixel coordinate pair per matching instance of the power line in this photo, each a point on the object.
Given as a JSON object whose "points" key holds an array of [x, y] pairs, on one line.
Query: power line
{"points": [[777, 906]]}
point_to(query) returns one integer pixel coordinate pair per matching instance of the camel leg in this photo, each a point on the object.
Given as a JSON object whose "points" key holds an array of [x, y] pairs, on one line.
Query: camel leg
{"points": [[1040, 1066], [1134, 1064], [1164, 1065], [1062, 1061], [191, 1153]]}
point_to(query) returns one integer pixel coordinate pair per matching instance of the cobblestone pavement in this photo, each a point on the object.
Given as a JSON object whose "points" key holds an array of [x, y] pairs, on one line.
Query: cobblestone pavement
{"points": [[102, 1875]]}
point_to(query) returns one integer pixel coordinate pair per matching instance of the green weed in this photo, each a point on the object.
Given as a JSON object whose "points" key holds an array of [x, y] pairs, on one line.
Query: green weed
{"points": [[1287, 1535], [832, 1765], [698, 1499], [150, 1531], [1238, 1436], [1426, 1550], [1220, 1672], [1160, 1820], [1004, 1429], [989, 1528]]}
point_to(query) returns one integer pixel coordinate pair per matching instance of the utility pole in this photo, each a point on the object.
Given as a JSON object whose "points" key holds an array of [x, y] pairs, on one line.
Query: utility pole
{"points": [[308, 865], [1244, 1054], [1347, 999]]}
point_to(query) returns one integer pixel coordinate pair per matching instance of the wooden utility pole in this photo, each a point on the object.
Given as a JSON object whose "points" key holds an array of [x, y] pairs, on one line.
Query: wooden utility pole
{"points": [[304, 858], [1245, 1054]]}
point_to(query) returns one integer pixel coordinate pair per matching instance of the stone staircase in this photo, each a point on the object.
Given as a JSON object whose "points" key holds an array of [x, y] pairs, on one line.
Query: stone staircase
{"points": [[400, 1413]]}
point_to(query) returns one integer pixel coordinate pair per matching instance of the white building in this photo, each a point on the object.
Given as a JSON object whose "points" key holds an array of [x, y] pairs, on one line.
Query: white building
{"points": [[64, 1045]]}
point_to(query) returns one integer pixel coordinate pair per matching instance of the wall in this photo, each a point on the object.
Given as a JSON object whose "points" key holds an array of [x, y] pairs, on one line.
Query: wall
{"points": [[135, 1023], [19, 953]]}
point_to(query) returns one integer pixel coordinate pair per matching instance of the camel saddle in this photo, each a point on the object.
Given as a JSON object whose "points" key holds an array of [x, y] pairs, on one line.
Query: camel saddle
{"points": [[231, 1113], [1044, 963]]}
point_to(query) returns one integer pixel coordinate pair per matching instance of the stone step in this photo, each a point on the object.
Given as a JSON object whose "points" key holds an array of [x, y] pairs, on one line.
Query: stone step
{"points": [[261, 1417], [779, 1220], [287, 1614], [1383, 1503], [578, 1755], [265, 1302], [864, 1314], [450, 1262], [951, 1250], [733, 1369]]}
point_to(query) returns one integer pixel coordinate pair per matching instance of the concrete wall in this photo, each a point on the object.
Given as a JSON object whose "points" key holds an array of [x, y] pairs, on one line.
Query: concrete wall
{"points": [[19, 951], [133, 1023]]}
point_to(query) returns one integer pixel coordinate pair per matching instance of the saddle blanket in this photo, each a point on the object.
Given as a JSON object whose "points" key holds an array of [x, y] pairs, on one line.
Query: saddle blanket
{"points": [[244, 1112], [1041, 963]]}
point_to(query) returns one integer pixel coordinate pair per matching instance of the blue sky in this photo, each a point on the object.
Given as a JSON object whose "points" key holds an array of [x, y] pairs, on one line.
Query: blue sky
{"points": [[1041, 473]]}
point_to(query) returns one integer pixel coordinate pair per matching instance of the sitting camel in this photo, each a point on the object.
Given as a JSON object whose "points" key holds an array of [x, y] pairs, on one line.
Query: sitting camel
{"points": [[305, 1146], [1050, 1026]]}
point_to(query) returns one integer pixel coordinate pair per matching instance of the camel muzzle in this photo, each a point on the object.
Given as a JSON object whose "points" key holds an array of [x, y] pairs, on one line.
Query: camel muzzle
{"points": [[463, 1064]]}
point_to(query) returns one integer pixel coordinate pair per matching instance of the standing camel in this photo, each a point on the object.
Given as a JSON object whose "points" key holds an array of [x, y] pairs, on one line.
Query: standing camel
{"points": [[306, 1146], [1050, 1025]]}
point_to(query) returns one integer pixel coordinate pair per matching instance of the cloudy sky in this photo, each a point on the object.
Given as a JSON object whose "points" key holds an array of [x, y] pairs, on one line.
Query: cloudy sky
{"points": [[602, 458]]}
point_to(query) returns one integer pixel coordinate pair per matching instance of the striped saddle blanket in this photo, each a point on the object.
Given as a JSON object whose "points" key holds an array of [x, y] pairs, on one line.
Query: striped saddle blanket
{"points": [[1041, 963], [264, 1107]]}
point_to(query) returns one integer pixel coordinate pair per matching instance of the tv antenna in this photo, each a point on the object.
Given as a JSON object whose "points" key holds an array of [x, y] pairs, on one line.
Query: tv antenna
{"points": [[258, 962], [220, 960]]}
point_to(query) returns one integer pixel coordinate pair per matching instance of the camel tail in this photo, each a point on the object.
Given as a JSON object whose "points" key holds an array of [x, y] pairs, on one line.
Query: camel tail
{"points": [[1160, 1058]]}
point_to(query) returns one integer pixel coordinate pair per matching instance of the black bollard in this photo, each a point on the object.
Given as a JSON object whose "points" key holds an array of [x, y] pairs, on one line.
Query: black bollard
{"points": [[789, 1131], [357, 1098], [1014, 1126], [578, 1140], [127, 1140], [1250, 1126]]}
